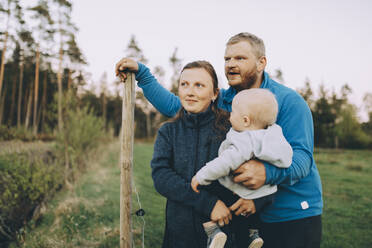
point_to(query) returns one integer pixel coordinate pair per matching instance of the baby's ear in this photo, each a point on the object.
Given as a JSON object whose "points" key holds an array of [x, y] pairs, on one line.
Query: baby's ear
{"points": [[247, 121]]}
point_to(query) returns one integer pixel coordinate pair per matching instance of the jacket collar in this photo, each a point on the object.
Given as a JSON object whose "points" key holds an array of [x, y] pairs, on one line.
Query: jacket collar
{"points": [[199, 119], [265, 81]]}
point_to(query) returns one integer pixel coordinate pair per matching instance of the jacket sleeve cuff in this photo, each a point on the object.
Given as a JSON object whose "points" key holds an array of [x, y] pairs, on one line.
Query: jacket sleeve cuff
{"points": [[269, 170], [142, 71]]}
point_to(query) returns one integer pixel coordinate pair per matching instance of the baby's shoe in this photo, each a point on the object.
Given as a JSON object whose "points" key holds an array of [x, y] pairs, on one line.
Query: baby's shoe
{"points": [[216, 238], [255, 240]]}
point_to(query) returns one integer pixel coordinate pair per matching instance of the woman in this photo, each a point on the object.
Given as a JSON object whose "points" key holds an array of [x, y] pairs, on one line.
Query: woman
{"points": [[182, 147]]}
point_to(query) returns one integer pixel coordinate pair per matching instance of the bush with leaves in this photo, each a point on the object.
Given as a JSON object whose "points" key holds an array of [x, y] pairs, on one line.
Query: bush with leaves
{"points": [[25, 180], [19, 133], [349, 131], [5, 133], [82, 132]]}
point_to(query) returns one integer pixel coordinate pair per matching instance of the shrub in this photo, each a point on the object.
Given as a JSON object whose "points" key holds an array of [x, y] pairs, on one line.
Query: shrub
{"points": [[82, 132], [5, 133], [25, 180], [20, 133]]}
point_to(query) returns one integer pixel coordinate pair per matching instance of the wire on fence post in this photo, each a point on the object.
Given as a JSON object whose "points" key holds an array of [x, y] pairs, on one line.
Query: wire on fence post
{"points": [[126, 162], [140, 213]]}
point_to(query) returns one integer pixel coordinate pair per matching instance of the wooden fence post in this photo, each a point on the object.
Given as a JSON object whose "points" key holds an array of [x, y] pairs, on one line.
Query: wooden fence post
{"points": [[126, 162]]}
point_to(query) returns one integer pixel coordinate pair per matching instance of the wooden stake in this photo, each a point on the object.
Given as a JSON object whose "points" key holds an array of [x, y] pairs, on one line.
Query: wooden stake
{"points": [[126, 162]]}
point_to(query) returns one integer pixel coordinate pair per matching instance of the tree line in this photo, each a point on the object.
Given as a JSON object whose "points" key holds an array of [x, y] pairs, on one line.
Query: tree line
{"points": [[40, 57], [336, 122], [41, 62]]}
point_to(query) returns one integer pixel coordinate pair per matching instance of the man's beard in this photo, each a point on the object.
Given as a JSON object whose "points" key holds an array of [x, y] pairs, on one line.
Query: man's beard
{"points": [[248, 80]]}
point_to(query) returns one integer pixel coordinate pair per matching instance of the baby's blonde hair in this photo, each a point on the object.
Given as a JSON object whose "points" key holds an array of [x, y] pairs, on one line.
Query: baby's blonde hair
{"points": [[259, 105]]}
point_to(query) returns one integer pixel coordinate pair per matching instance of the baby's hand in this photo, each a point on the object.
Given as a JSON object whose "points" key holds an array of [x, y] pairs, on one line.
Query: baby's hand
{"points": [[194, 184]]}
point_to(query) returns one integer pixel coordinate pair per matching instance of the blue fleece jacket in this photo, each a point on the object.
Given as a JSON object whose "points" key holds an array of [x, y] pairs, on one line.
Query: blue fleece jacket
{"points": [[299, 192]]}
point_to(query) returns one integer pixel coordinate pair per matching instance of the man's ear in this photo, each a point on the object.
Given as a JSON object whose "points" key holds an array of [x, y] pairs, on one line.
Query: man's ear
{"points": [[261, 63], [247, 121]]}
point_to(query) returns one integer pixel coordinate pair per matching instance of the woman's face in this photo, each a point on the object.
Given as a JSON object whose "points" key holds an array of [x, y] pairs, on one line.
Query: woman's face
{"points": [[196, 90]]}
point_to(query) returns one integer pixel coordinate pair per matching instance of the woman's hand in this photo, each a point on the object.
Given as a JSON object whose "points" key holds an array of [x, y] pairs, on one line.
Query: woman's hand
{"points": [[221, 213], [244, 207], [125, 65]]}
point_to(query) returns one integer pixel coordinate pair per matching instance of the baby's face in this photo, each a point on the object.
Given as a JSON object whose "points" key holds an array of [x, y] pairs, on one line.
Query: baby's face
{"points": [[237, 119]]}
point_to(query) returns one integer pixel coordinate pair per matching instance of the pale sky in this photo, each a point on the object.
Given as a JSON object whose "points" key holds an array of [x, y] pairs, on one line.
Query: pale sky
{"points": [[326, 41]]}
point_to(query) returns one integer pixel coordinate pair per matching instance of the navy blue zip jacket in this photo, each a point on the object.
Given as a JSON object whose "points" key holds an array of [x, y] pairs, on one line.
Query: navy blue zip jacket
{"points": [[182, 147]]}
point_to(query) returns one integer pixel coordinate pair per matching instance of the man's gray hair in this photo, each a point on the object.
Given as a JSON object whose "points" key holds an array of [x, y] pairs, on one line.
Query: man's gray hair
{"points": [[256, 42]]}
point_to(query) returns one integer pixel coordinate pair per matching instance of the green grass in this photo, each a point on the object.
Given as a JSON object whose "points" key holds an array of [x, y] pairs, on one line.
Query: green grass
{"points": [[347, 192], [88, 216]]}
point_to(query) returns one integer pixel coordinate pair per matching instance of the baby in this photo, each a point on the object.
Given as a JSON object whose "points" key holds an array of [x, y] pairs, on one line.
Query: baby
{"points": [[254, 134]]}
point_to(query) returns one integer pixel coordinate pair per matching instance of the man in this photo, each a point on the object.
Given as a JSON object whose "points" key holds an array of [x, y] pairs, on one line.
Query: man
{"points": [[294, 218]]}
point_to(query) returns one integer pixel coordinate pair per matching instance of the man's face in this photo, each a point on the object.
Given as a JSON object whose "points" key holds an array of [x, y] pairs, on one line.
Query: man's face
{"points": [[241, 65]]}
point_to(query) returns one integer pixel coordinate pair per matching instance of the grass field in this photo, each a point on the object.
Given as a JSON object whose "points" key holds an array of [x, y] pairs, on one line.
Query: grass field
{"points": [[347, 192], [88, 216]]}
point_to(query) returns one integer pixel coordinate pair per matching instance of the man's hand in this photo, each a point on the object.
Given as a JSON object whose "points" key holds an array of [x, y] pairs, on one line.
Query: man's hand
{"points": [[244, 207], [221, 213], [194, 184], [125, 65], [251, 174]]}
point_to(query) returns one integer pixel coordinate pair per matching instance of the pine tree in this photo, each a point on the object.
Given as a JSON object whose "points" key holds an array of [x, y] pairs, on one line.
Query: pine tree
{"points": [[103, 84], [307, 93], [367, 126], [11, 12], [26, 42], [63, 9], [76, 61], [44, 33], [135, 52], [176, 64]]}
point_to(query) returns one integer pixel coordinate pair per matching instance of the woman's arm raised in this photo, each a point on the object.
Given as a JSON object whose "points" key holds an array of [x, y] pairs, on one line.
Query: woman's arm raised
{"points": [[162, 99]]}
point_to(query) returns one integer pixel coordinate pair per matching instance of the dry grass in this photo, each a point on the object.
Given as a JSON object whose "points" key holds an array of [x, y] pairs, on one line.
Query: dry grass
{"points": [[17, 146]]}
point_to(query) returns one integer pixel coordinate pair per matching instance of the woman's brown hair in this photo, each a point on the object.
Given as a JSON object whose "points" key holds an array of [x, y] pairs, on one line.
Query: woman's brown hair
{"points": [[221, 122]]}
